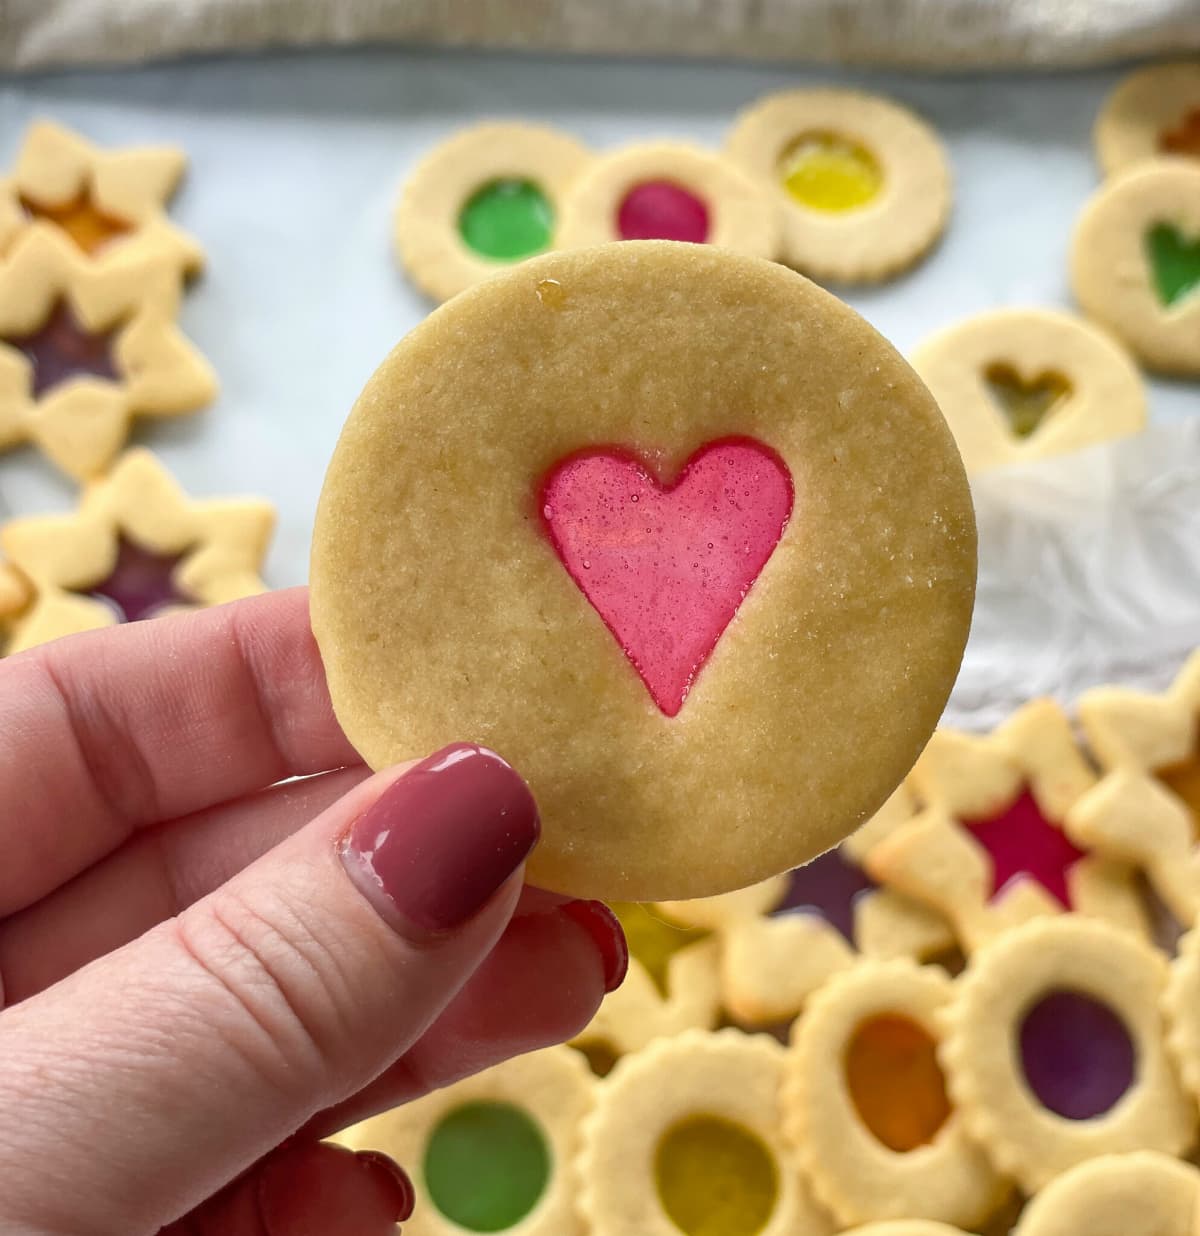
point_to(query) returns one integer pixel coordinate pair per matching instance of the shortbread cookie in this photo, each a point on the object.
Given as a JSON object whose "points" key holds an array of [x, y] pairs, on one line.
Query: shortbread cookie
{"points": [[865, 1102], [490, 196], [1017, 384], [686, 1138], [672, 984], [1135, 262], [1138, 1194], [136, 546], [493, 1153], [1054, 1050], [110, 203], [1152, 112], [990, 849], [1181, 1005], [813, 922], [669, 191], [560, 519], [861, 185], [86, 349], [906, 1227]]}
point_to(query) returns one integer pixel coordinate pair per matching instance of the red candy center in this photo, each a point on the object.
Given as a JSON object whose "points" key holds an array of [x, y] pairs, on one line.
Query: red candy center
{"points": [[662, 210], [666, 566]]}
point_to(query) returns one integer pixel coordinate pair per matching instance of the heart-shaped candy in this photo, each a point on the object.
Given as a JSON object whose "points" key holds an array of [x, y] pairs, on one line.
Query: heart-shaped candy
{"points": [[1025, 404], [667, 565], [1174, 261]]}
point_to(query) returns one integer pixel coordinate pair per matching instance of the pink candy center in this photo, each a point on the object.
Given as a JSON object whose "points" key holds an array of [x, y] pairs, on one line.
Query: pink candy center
{"points": [[666, 566], [662, 210]]}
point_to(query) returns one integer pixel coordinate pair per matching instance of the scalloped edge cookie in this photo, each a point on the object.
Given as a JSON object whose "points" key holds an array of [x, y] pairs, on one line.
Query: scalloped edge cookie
{"points": [[1131, 123], [853, 1174], [1024, 1139], [426, 234], [880, 239]]}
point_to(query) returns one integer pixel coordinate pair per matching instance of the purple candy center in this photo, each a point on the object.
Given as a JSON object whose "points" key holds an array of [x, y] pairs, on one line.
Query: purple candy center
{"points": [[61, 349], [141, 584], [1077, 1055], [829, 886]]}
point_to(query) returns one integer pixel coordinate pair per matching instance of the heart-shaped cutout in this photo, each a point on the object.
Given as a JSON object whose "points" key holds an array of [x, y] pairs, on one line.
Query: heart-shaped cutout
{"points": [[1025, 404], [667, 565], [1174, 261], [1184, 139]]}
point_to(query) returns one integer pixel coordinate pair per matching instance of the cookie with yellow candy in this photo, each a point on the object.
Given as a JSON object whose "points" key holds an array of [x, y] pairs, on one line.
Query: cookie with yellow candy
{"points": [[990, 848], [85, 350], [865, 1102], [1117, 1195], [672, 983], [1018, 384], [488, 197], [136, 546], [1135, 262], [493, 1153], [686, 1137], [861, 185], [109, 204], [669, 191], [670, 528], [1054, 1050], [1153, 112]]}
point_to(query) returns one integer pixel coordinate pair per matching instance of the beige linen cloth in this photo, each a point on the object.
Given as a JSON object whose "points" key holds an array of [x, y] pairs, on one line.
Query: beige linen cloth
{"points": [[922, 33]]}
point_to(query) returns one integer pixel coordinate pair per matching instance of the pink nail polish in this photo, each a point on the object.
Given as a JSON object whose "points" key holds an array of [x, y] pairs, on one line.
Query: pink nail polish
{"points": [[605, 929], [439, 842]]}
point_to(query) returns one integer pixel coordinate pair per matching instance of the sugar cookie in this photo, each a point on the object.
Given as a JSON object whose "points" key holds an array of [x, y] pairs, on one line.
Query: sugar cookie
{"points": [[669, 191], [865, 1102], [1135, 262], [510, 449], [85, 349], [861, 185], [1116, 1195], [686, 1137], [137, 546], [109, 203], [493, 1153], [1152, 112], [990, 848], [490, 196], [1018, 384], [1181, 1007], [672, 984], [1054, 1050]]}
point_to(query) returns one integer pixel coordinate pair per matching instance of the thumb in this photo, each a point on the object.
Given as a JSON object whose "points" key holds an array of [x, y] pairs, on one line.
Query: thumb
{"points": [[149, 1079]]}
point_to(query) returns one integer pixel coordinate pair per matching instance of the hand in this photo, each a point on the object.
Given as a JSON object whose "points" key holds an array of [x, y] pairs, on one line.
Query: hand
{"points": [[200, 961]]}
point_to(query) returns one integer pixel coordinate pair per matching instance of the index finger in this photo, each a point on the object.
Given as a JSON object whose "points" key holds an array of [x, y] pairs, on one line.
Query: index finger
{"points": [[106, 732]]}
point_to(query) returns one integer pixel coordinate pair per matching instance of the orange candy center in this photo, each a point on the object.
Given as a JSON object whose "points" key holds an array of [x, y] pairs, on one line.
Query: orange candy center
{"points": [[90, 228]]}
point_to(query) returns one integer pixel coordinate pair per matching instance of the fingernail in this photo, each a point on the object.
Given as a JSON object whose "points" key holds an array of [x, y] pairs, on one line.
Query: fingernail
{"points": [[607, 934], [388, 1177], [439, 842]]}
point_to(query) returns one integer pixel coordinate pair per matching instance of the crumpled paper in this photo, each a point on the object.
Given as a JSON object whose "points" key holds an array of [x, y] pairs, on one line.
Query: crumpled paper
{"points": [[1089, 572]]}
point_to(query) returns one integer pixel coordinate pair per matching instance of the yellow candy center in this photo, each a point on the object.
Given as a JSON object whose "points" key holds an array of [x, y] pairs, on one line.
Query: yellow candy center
{"points": [[824, 171], [1025, 404], [653, 940], [715, 1178]]}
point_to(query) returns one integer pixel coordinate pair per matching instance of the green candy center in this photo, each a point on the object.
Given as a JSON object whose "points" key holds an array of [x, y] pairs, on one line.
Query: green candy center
{"points": [[506, 220], [1174, 261]]}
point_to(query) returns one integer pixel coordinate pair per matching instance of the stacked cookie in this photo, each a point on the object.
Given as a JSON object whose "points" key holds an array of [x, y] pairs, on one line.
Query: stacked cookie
{"points": [[980, 1014], [843, 186], [91, 277]]}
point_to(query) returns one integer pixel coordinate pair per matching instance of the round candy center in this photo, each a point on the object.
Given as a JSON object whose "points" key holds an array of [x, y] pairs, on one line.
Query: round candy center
{"points": [[715, 1178], [895, 1083], [486, 1166], [662, 210], [1025, 404], [1174, 263], [824, 171], [506, 220], [1076, 1054]]}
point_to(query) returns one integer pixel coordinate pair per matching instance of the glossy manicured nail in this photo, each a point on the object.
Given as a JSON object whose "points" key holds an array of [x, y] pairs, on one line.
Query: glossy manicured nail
{"points": [[440, 841], [605, 929], [387, 1177]]}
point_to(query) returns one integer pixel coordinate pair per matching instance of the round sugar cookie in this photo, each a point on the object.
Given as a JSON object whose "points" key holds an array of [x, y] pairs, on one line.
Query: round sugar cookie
{"points": [[1018, 384], [861, 185], [1135, 262], [1152, 112], [488, 197], [674, 531]]}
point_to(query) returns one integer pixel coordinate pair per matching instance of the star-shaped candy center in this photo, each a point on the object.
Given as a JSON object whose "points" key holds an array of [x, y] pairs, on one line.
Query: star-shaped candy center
{"points": [[653, 940], [1183, 780], [61, 348], [829, 886], [141, 583], [81, 219]]}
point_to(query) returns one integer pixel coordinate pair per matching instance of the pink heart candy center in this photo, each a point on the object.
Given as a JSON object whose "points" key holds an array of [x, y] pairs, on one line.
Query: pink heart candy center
{"points": [[667, 565]]}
